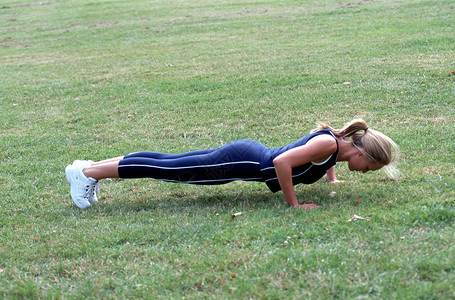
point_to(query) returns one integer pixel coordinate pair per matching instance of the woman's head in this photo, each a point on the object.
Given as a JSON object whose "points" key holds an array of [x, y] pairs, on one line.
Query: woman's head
{"points": [[375, 147]]}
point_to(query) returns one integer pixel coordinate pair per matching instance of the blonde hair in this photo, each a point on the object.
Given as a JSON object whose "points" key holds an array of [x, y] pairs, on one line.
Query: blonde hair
{"points": [[376, 146]]}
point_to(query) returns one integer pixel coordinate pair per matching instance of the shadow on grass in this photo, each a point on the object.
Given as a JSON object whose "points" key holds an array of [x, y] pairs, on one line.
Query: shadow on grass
{"points": [[197, 202], [141, 195], [221, 199]]}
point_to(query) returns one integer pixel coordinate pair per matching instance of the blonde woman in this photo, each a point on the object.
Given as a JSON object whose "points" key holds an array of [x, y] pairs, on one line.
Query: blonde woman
{"points": [[304, 161]]}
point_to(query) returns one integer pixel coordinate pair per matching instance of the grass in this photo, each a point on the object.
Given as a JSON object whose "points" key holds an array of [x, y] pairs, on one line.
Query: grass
{"points": [[92, 80]]}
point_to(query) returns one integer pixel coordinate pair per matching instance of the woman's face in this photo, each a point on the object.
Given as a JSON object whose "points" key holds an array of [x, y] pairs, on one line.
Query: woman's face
{"points": [[359, 163]]}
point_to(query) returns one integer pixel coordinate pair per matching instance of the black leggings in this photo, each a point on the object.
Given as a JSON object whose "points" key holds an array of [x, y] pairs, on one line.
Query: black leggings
{"points": [[238, 160]]}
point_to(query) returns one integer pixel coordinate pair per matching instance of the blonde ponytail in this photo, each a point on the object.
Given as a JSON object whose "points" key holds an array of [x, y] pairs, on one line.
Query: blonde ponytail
{"points": [[348, 130]]}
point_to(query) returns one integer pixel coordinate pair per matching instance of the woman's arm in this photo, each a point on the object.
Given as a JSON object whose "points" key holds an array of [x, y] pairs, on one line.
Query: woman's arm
{"points": [[283, 170], [331, 177], [317, 149]]}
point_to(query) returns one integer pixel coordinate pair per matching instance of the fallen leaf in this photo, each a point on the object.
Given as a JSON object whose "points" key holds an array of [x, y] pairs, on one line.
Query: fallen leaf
{"points": [[358, 200], [351, 279], [237, 214], [356, 217], [453, 72], [233, 275], [36, 238], [287, 240]]}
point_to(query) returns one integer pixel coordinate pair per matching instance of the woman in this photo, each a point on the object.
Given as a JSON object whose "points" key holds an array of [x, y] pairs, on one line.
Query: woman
{"points": [[304, 161]]}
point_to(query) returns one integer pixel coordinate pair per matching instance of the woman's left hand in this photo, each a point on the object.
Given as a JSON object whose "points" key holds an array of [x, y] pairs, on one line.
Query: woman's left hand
{"points": [[335, 181], [308, 206]]}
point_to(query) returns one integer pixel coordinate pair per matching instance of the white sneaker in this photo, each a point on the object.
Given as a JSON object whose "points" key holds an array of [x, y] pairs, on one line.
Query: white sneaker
{"points": [[81, 186], [87, 163]]}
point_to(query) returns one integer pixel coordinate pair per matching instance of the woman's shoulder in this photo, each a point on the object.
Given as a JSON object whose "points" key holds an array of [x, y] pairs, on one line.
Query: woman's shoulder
{"points": [[324, 140], [321, 132], [324, 134]]}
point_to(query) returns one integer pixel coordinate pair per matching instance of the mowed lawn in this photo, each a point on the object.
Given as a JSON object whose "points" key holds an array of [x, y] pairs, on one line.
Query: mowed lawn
{"points": [[98, 79]]}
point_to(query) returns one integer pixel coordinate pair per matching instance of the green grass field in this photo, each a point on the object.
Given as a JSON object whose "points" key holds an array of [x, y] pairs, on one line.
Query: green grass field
{"points": [[97, 79]]}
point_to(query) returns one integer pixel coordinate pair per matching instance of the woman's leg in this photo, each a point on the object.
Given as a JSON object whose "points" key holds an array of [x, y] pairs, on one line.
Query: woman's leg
{"points": [[109, 168], [102, 170], [159, 155], [115, 159], [215, 164], [238, 160]]}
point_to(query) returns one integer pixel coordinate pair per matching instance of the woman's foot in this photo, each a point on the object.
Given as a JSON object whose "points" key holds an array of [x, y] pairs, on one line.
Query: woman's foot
{"points": [[87, 163], [82, 188]]}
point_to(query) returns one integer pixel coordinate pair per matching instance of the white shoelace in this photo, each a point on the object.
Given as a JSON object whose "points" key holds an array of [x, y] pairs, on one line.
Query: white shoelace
{"points": [[89, 190]]}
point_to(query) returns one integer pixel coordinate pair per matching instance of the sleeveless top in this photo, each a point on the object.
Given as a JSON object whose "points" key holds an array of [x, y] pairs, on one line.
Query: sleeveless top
{"points": [[306, 174]]}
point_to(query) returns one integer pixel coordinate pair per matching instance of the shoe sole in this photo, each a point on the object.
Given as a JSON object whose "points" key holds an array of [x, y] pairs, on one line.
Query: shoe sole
{"points": [[67, 171]]}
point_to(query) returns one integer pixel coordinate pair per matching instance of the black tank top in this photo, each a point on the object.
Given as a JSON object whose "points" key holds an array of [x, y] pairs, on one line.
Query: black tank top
{"points": [[307, 173]]}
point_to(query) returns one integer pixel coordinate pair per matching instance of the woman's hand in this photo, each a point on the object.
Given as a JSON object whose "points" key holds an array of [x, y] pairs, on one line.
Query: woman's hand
{"points": [[308, 206], [335, 181]]}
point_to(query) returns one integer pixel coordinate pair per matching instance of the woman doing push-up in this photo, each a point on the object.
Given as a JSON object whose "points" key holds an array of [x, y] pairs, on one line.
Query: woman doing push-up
{"points": [[304, 161]]}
